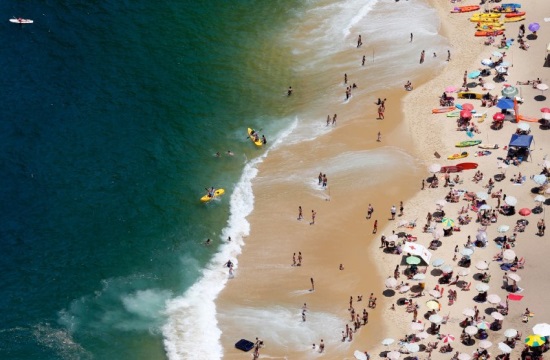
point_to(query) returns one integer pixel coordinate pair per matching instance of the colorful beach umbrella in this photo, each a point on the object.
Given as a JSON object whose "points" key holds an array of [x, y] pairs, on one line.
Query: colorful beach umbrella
{"points": [[450, 89], [467, 106], [510, 91], [446, 222], [465, 114], [545, 110], [412, 260], [505, 103], [474, 74], [525, 212], [499, 116], [534, 340], [483, 325], [542, 329], [448, 338], [534, 27]]}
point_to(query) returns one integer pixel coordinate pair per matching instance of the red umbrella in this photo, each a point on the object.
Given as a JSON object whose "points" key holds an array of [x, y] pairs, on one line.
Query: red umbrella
{"points": [[468, 107], [525, 212], [545, 110], [499, 116], [466, 114]]}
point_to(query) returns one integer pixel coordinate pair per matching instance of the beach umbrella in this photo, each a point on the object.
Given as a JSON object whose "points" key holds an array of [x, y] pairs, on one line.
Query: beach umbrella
{"points": [[540, 198], [441, 202], [447, 269], [545, 110], [448, 338], [419, 276], [467, 106], [467, 252], [509, 91], [432, 304], [524, 212], [524, 126], [417, 326], [497, 54], [508, 254], [464, 356], [482, 265], [534, 27], [463, 272], [359, 355], [505, 103], [435, 293], [485, 207], [393, 237], [514, 277], [422, 335], [483, 325], [534, 340], [497, 316], [450, 89], [542, 87], [482, 287], [501, 69], [493, 299], [412, 260], [438, 262], [482, 195], [487, 62], [474, 74], [503, 228], [504, 348], [437, 234], [412, 347], [505, 64], [388, 341], [434, 168], [485, 344], [499, 116], [471, 330], [404, 289], [510, 200], [393, 355], [446, 222], [510, 333], [390, 283], [468, 312], [465, 114], [489, 86], [540, 179], [542, 329]]}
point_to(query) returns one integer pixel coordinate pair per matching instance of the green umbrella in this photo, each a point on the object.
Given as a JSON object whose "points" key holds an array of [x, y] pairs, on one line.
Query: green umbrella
{"points": [[446, 222], [534, 340], [412, 260], [510, 91]]}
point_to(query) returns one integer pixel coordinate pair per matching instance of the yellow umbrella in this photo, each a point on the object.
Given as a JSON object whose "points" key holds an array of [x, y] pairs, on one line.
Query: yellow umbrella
{"points": [[432, 304], [534, 340]]}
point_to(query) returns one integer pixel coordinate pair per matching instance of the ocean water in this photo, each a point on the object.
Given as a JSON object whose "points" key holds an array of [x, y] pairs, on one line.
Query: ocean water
{"points": [[111, 114]]}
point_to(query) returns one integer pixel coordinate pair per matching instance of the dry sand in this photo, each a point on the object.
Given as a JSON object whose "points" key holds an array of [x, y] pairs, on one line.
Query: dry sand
{"points": [[267, 286]]}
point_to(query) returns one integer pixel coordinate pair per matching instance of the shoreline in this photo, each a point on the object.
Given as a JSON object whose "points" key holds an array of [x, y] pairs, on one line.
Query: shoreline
{"points": [[275, 252]]}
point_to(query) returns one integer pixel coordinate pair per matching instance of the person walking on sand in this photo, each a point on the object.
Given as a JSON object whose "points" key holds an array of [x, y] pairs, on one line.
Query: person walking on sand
{"points": [[359, 42], [363, 61], [411, 37], [313, 213], [379, 138], [321, 346], [334, 119], [300, 216], [381, 112], [299, 258], [422, 54], [370, 210], [312, 284], [345, 79], [401, 208], [393, 210], [448, 55], [303, 316], [375, 227], [294, 259]]}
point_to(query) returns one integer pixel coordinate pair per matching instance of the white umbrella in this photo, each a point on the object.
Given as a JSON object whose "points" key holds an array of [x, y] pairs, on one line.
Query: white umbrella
{"points": [[514, 277], [542, 87], [436, 294], [510, 333], [422, 335], [497, 54], [485, 344], [435, 318], [510, 200], [504, 348], [438, 262], [464, 272], [412, 347], [360, 355], [468, 312], [540, 198], [540, 179], [503, 228], [404, 289], [471, 330], [487, 62], [509, 255], [390, 283], [393, 237], [482, 287], [524, 126], [485, 207], [419, 276], [493, 299], [482, 195], [437, 234], [417, 326], [467, 252], [393, 355], [464, 356], [501, 69], [388, 341], [434, 168], [441, 202], [497, 316], [447, 268], [542, 329], [482, 265]]}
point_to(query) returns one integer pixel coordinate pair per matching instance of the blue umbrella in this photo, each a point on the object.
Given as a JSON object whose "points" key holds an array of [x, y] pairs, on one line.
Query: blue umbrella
{"points": [[505, 103], [534, 27], [474, 74]]}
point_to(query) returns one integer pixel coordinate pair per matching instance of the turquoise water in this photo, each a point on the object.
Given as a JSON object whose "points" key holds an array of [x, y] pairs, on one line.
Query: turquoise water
{"points": [[111, 114]]}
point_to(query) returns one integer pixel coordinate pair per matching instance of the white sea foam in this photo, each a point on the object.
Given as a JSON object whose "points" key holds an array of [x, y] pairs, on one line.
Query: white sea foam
{"points": [[192, 321], [60, 341]]}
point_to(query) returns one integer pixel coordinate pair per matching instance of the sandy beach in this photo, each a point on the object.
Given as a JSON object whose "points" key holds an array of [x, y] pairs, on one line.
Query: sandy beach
{"points": [[266, 297]]}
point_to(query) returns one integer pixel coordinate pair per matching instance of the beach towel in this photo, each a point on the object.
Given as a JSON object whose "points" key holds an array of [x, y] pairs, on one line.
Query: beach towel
{"points": [[515, 297], [506, 267]]}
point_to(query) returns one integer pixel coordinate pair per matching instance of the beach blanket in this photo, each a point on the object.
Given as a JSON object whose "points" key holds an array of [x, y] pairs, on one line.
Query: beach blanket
{"points": [[515, 297], [506, 267]]}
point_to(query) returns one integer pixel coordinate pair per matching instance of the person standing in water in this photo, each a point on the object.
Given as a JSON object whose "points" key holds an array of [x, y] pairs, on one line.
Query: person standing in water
{"points": [[422, 54], [289, 91], [300, 216]]}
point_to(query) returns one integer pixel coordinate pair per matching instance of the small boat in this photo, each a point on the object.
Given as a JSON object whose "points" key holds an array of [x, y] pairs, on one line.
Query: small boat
{"points": [[443, 109], [469, 95], [489, 32], [514, 19], [514, 14], [491, 26], [486, 16], [21, 21], [458, 156], [467, 143], [258, 142], [482, 153], [488, 146], [467, 166], [449, 169], [207, 198], [484, 20], [463, 9]]}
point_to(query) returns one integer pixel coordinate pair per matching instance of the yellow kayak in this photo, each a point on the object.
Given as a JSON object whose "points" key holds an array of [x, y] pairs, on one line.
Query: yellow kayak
{"points": [[217, 193], [491, 26], [458, 156], [256, 142], [514, 19], [487, 16], [485, 20]]}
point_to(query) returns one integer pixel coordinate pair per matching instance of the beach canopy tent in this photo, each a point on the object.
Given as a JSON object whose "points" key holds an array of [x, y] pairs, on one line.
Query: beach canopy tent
{"points": [[520, 146], [418, 250]]}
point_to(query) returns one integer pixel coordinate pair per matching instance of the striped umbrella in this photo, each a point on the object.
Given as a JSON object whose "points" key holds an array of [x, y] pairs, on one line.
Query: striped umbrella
{"points": [[534, 340], [446, 222], [448, 339]]}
